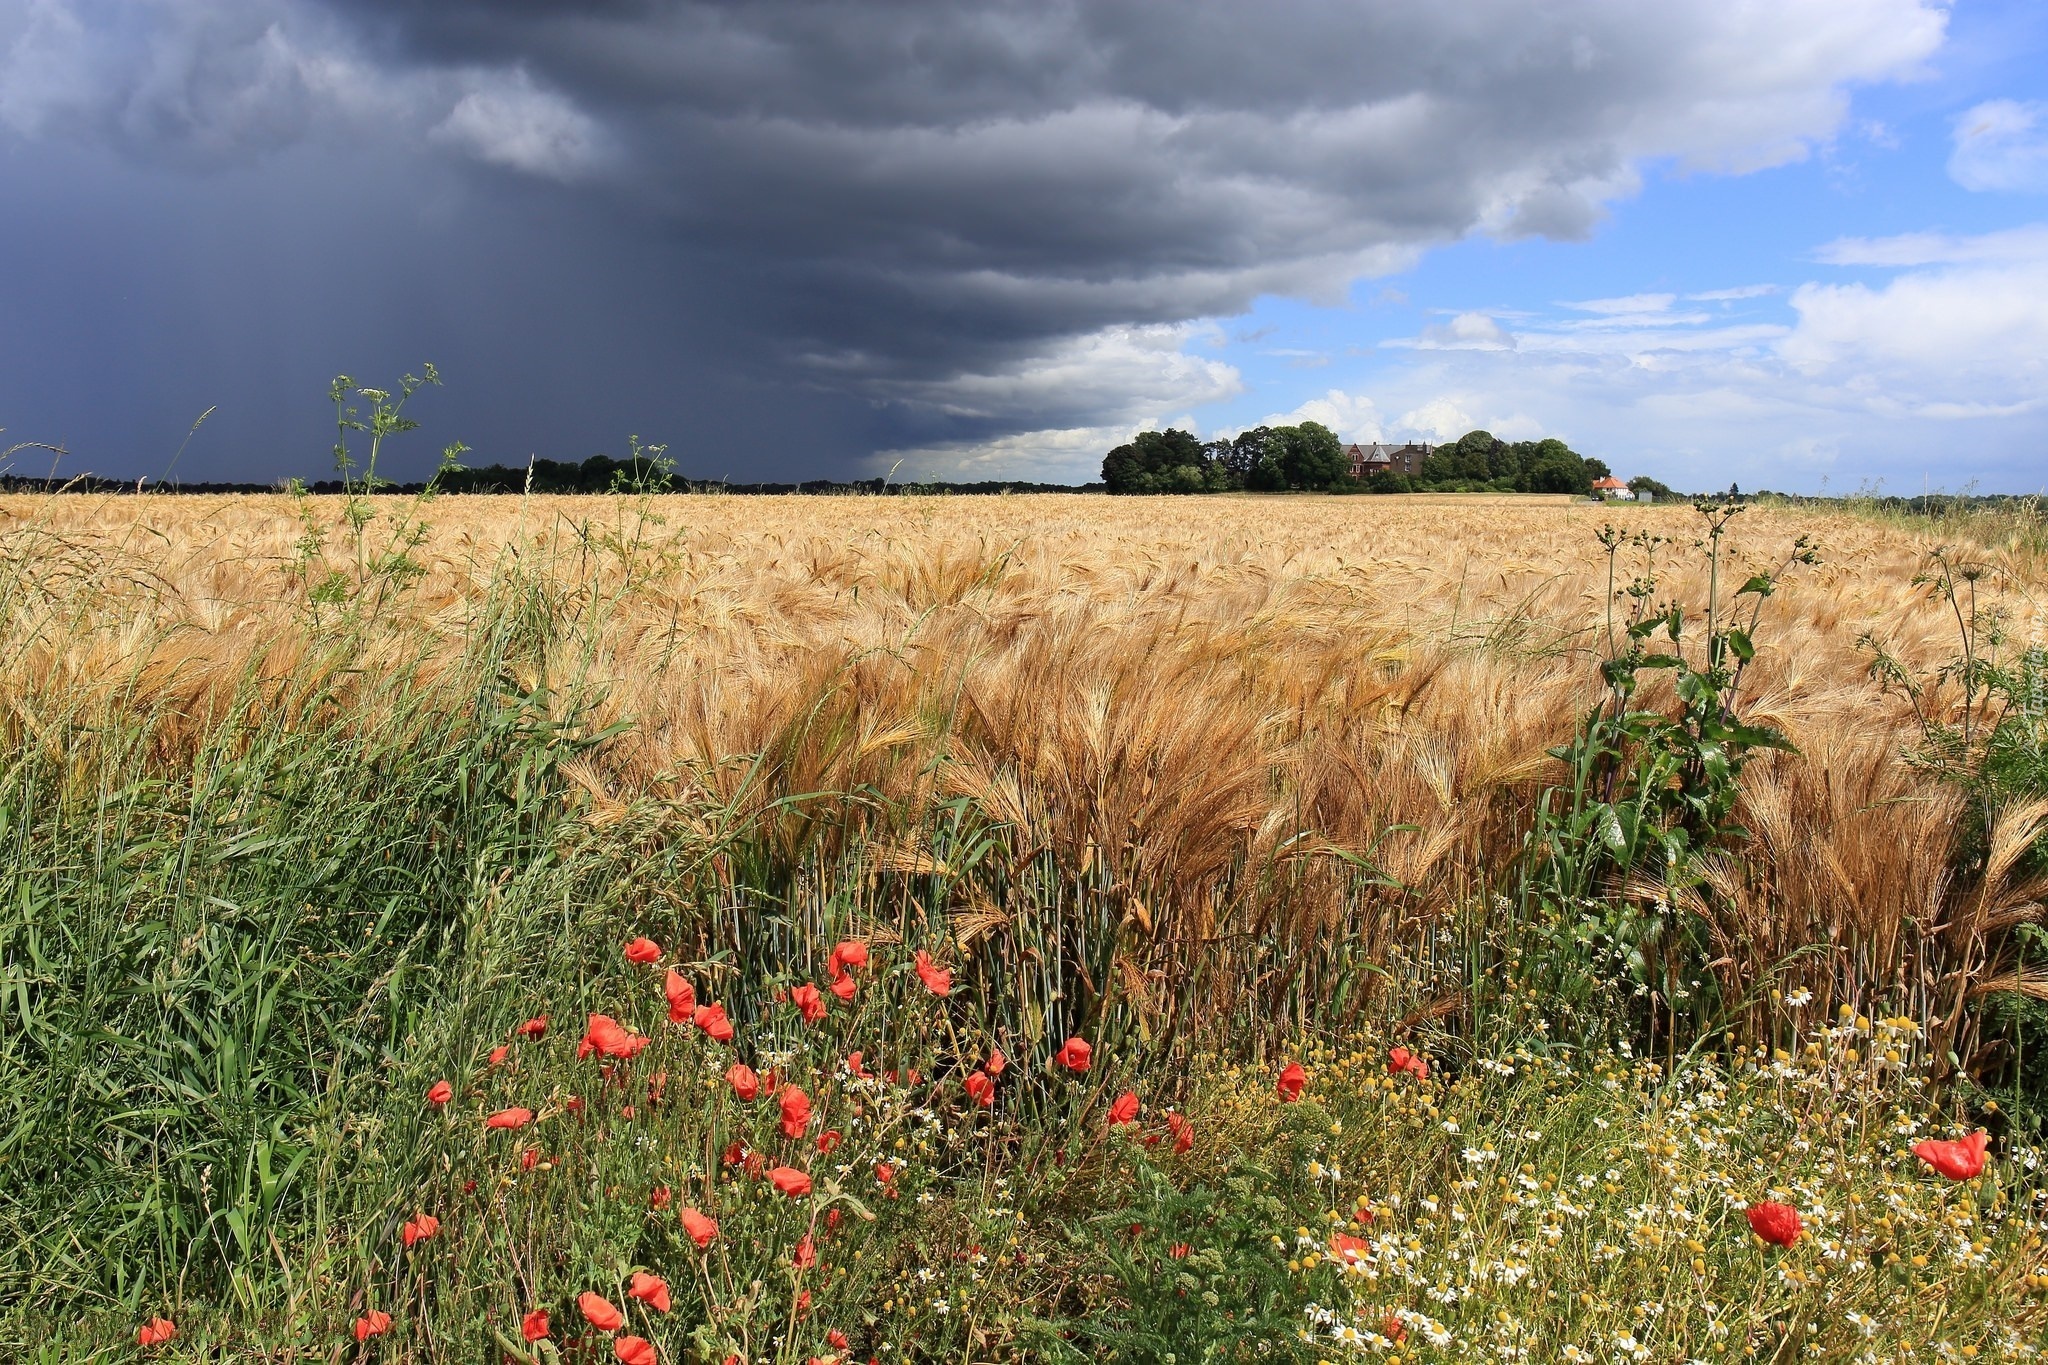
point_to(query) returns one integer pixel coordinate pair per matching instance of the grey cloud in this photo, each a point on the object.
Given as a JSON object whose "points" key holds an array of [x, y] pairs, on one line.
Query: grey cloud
{"points": [[899, 204]]}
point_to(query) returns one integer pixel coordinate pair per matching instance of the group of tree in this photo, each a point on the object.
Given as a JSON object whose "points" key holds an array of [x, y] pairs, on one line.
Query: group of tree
{"points": [[1310, 458]]}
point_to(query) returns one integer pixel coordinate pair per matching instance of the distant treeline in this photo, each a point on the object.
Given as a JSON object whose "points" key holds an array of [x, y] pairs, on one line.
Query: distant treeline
{"points": [[1310, 458], [598, 474]]}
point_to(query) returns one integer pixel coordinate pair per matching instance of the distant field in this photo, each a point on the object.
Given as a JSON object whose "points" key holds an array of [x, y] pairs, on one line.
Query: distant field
{"points": [[301, 819]]}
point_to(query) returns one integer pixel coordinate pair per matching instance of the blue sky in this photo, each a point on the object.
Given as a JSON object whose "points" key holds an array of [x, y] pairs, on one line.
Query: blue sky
{"points": [[1790, 245], [1753, 238]]}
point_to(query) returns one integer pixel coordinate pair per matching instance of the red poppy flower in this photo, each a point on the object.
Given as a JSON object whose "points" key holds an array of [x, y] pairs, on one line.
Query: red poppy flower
{"points": [[836, 1339], [643, 951], [832, 1218], [755, 1164], [854, 1066], [938, 980], [1181, 1131], [1962, 1160], [574, 1104], [419, 1229], [440, 1092], [604, 1034], [1776, 1223], [499, 1054], [790, 1181], [1073, 1055], [1292, 1079], [529, 1158], [711, 1018], [981, 1089], [636, 1351], [534, 1325], [536, 1027], [796, 1112], [1125, 1109], [1393, 1329], [735, 1153], [803, 1303], [155, 1332], [513, 1118], [995, 1063], [806, 1253], [884, 1172], [808, 1000], [374, 1323], [1401, 1059], [700, 1229], [1344, 1248], [600, 1314], [850, 952], [682, 997], [651, 1290], [1179, 1251], [843, 986], [659, 1198], [743, 1081], [828, 1139]]}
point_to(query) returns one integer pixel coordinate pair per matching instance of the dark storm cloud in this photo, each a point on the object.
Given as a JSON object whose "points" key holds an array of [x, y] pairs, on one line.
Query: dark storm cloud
{"points": [[916, 211]]}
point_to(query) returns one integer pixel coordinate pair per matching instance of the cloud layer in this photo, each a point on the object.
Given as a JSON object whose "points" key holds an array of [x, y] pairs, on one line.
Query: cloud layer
{"points": [[975, 221]]}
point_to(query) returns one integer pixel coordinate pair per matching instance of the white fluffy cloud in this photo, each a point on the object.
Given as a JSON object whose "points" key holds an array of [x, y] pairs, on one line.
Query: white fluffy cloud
{"points": [[506, 120], [2002, 145], [1868, 379]]}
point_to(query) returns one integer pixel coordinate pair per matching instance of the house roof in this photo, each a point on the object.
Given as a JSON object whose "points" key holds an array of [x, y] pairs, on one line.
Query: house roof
{"points": [[1609, 483]]}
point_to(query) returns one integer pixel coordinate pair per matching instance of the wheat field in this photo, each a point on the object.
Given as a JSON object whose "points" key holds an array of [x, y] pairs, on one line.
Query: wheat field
{"points": [[1165, 687]]}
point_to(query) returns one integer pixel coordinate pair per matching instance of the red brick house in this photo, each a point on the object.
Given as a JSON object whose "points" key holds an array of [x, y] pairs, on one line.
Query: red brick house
{"points": [[1380, 458]]}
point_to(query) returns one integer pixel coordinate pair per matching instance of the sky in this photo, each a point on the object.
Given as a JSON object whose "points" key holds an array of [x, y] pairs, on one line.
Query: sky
{"points": [[1799, 246]]}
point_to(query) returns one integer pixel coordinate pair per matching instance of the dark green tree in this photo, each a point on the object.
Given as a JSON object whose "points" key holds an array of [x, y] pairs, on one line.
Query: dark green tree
{"points": [[1309, 456], [1170, 461]]}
